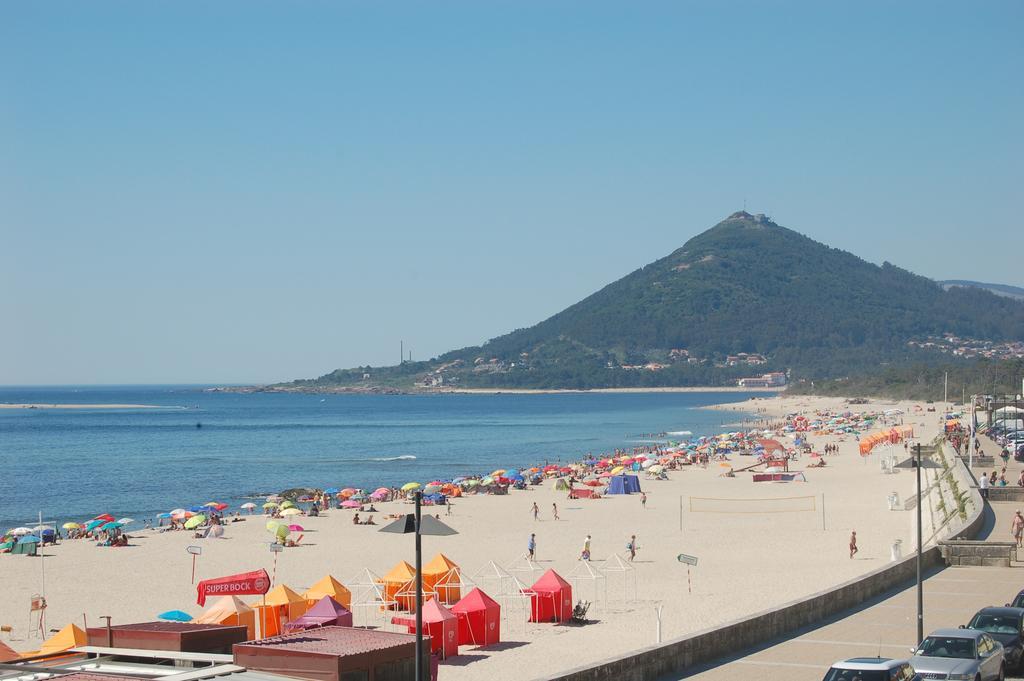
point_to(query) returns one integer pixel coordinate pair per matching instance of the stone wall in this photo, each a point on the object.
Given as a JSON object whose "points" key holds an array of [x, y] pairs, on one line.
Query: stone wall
{"points": [[1006, 493], [990, 553]]}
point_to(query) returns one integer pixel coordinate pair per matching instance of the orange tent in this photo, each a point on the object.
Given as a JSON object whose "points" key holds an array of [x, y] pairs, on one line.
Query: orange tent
{"points": [[329, 586], [231, 611], [67, 638], [399, 585], [7, 653], [441, 576], [280, 606]]}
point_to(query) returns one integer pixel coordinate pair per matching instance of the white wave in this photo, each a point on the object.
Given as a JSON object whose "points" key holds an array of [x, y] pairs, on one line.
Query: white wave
{"points": [[679, 432], [404, 457]]}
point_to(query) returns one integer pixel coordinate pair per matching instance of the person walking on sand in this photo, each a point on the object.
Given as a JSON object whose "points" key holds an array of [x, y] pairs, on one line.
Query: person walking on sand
{"points": [[531, 547], [853, 543], [554, 511], [631, 546], [585, 553], [1017, 528], [536, 511], [643, 500]]}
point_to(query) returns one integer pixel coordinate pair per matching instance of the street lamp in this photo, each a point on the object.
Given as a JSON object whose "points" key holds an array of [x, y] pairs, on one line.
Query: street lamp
{"points": [[415, 523], [919, 463]]}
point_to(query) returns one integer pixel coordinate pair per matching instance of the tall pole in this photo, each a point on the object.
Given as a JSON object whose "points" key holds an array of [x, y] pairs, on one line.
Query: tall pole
{"points": [[419, 594], [42, 573], [920, 586]]}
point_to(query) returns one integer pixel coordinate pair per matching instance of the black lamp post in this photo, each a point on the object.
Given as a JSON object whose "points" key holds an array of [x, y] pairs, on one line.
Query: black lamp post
{"points": [[414, 523], [918, 463]]}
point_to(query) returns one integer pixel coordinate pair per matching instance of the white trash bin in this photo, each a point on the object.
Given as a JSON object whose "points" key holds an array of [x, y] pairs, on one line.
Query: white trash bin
{"points": [[896, 551]]}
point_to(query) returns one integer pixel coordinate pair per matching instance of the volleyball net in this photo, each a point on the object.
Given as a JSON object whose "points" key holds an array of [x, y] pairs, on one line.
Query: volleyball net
{"points": [[752, 506]]}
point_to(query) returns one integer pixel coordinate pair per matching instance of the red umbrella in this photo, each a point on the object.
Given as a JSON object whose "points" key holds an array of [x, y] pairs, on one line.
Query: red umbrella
{"points": [[296, 528], [106, 516], [550, 467], [565, 469], [221, 506]]}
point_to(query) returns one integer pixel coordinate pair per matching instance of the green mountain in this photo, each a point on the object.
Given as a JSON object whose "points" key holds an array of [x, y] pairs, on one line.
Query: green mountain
{"points": [[1015, 292], [747, 286]]}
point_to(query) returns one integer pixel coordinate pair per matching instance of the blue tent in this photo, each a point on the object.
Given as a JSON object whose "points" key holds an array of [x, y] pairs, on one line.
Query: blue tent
{"points": [[623, 484]]}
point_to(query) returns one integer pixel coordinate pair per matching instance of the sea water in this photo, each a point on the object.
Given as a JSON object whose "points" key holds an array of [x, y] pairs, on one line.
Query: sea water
{"points": [[200, 446]]}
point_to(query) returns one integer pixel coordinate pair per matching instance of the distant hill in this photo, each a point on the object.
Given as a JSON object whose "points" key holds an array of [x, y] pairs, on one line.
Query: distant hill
{"points": [[745, 297], [1015, 292]]}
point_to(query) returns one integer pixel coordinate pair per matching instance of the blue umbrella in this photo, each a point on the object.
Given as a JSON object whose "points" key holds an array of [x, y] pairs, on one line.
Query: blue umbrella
{"points": [[163, 515], [29, 539], [93, 524], [331, 490], [110, 526], [175, 616], [198, 509]]}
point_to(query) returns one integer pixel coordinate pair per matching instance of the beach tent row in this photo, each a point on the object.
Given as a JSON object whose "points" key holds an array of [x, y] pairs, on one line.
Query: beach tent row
{"points": [[475, 620], [893, 436], [441, 579]]}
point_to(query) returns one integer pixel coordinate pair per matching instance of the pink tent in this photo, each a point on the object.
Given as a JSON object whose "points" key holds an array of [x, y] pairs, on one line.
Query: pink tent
{"points": [[326, 612]]}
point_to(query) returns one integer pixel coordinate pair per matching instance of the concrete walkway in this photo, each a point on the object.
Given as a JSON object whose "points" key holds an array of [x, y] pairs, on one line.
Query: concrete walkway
{"points": [[884, 626]]}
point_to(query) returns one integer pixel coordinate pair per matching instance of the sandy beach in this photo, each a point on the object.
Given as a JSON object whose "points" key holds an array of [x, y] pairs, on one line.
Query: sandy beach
{"points": [[531, 391], [748, 561]]}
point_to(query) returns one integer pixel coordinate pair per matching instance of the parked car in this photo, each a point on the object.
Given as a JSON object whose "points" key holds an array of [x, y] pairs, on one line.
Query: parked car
{"points": [[1018, 600], [1006, 625], [959, 655], [871, 669]]}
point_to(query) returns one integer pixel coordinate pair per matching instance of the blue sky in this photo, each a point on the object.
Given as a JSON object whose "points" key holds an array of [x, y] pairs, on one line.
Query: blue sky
{"points": [[259, 191]]}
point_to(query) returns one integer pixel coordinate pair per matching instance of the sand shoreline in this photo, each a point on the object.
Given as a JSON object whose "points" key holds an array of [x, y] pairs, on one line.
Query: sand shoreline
{"points": [[789, 550], [538, 391]]}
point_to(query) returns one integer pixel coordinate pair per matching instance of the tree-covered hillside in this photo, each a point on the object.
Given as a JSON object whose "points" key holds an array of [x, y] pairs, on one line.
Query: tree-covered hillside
{"points": [[746, 286]]}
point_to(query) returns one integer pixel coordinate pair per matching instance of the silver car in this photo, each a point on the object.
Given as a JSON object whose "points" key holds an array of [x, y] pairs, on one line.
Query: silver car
{"points": [[959, 655], [871, 669]]}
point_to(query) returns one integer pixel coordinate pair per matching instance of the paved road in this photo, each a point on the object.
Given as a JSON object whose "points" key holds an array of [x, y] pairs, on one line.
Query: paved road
{"points": [[886, 626]]}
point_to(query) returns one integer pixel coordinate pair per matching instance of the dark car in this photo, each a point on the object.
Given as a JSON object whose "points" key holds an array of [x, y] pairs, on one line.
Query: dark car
{"points": [[1004, 625]]}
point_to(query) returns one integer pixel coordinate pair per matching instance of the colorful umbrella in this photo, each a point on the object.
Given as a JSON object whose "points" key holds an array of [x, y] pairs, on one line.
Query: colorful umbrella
{"points": [[195, 521], [296, 528], [175, 616], [350, 504], [71, 526], [248, 505], [410, 486], [291, 511]]}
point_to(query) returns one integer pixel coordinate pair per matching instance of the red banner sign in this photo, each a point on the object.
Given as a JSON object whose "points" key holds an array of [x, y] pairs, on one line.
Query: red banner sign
{"points": [[245, 584]]}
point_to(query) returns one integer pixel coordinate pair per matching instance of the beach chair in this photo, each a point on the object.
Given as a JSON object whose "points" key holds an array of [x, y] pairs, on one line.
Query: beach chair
{"points": [[579, 613]]}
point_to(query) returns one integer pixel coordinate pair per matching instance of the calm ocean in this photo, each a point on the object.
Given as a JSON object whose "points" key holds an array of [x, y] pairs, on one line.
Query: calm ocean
{"points": [[75, 464]]}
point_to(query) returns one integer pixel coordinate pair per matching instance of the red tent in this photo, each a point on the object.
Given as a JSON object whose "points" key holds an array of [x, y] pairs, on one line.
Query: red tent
{"points": [[439, 624], [479, 619], [551, 599]]}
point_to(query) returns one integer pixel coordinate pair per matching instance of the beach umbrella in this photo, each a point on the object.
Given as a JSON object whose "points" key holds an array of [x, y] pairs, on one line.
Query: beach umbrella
{"points": [[175, 616], [272, 525], [487, 480], [331, 490], [382, 490], [126, 521], [195, 521], [270, 504], [296, 528], [71, 526], [471, 483], [291, 511], [211, 504], [410, 486], [350, 504], [93, 524], [287, 504], [617, 470], [177, 511], [431, 489], [378, 496], [278, 530], [19, 531], [105, 516], [248, 505], [110, 526], [163, 515], [41, 528], [347, 492], [500, 471], [29, 539], [197, 509]]}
